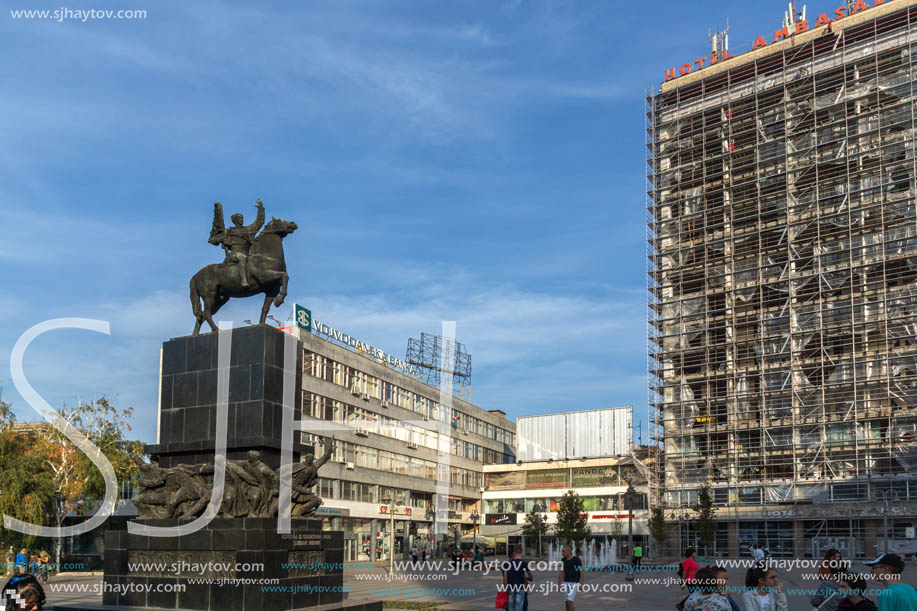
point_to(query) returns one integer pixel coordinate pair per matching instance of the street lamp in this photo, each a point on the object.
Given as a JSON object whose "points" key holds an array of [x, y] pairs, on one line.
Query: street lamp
{"points": [[629, 500], [885, 496], [391, 535], [474, 521]]}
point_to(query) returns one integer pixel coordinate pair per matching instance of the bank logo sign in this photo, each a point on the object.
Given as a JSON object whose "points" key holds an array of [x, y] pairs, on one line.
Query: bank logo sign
{"points": [[303, 317], [304, 320]]}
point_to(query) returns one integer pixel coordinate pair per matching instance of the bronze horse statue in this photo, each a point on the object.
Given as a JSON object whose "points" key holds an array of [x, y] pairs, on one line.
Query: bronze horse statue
{"points": [[266, 272]]}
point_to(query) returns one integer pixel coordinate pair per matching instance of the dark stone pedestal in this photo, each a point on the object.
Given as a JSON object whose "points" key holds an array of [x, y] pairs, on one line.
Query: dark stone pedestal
{"points": [[188, 397], [223, 567], [234, 564]]}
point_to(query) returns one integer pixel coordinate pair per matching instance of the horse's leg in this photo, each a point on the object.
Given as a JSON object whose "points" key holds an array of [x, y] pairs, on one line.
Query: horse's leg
{"points": [[215, 304], [265, 308], [196, 306], [283, 290], [210, 307]]}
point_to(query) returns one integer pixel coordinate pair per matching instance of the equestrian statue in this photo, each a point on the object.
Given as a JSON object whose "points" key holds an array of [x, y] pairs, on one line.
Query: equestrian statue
{"points": [[254, 264]]}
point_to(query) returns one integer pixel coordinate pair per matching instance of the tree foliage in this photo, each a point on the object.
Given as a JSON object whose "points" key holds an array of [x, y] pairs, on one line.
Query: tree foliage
{"points": [[656, 525], [76, 478], [44, 476], [535, 527], [26, 488], [571, 519], [706, 525]]}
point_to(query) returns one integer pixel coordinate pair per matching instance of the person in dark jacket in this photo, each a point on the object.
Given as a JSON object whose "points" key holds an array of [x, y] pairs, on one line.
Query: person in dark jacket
{"points": [[853, 587]]}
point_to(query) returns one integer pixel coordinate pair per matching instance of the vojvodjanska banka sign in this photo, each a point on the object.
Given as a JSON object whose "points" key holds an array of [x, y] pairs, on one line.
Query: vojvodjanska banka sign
{"points": [[372, 352]]}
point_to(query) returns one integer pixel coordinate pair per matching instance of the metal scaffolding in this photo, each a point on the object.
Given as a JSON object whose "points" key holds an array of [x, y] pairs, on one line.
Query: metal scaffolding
{"points": [[782, 269], [430, 352]]}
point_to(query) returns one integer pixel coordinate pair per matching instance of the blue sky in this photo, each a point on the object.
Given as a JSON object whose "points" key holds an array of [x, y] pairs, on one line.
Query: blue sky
{"points": [[473, 161]]}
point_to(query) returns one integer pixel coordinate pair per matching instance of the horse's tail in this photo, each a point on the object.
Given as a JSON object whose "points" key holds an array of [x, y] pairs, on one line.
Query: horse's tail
{"points": [[195, 299]]}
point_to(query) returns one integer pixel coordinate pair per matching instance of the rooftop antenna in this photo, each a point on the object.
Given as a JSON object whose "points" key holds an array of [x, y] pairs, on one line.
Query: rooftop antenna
{"points": [[792, 16], [719, 41]]}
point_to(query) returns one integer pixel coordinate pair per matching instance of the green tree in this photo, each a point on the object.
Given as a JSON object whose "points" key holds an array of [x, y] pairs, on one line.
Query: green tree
{"points": [[571, 519], [656, 525], [78, 483], [26, 488], [706, 524], [535, 527]]}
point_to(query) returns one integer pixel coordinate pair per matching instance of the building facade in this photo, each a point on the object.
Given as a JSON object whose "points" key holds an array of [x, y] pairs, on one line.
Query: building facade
{"points": [[391, 429], [512, 491], [588, 451], [782, 248]]}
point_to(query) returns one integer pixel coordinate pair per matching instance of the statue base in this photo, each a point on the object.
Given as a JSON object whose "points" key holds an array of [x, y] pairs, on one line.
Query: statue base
{"points": [[233, 564]]}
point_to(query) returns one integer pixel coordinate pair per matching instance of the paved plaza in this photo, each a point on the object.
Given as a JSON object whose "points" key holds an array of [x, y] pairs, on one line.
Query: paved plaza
{"points": [[480, 589]]}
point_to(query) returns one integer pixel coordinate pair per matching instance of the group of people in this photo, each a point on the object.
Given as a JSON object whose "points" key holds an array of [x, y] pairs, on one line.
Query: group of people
{"points": [[842, 590], [839, 588], [517, 575], [26, 562]]}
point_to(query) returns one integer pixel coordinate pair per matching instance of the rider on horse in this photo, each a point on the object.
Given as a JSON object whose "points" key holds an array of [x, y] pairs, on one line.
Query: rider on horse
{"points": [[236, 240]]}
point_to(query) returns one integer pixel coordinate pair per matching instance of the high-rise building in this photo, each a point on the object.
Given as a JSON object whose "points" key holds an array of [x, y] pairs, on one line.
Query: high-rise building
{"points": [[782, 248]]}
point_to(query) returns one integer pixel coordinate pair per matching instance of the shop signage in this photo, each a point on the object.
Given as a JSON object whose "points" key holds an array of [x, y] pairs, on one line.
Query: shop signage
{"points": [[782, 34], [595, 476], [500, 519], [550, 478], [362, 347], [777, 512], [332, 511], [399, 511], [608, 516]]}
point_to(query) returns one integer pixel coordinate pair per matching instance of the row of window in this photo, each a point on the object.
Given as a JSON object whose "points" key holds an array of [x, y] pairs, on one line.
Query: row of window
{"points": [[383, 460], [373, 493], [324, 408], [841, 492], [360, 382], [609, 502]]}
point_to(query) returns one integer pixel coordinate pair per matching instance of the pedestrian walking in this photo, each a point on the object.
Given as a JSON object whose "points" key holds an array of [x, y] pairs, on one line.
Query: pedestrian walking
{"points": [[758, 553], [570, 579], [516, 576], [22, 561]]}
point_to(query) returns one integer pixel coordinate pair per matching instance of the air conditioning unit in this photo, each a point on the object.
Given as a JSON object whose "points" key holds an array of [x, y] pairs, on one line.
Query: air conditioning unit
{"points": [[364, 396], [412, 445], [362, 432], [384, 403], [425, 417], [355, 391], [350, 466]]}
